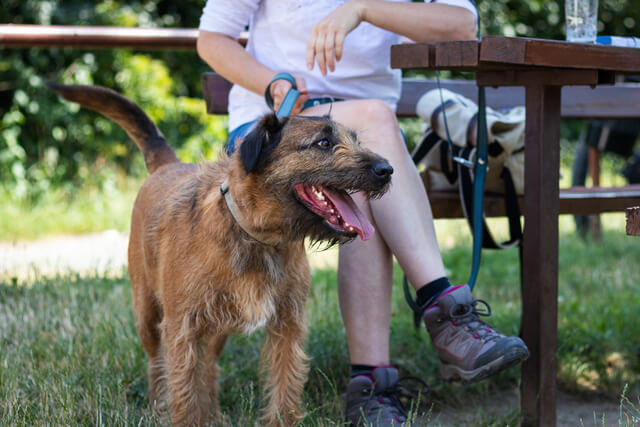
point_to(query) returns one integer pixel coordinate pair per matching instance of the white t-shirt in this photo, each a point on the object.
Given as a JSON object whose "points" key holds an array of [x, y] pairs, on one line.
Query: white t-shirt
{"points": [[278, 35]]}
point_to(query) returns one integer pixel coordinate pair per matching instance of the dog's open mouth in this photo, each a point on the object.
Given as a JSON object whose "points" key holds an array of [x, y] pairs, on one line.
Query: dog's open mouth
{"points": [[337, 208]]}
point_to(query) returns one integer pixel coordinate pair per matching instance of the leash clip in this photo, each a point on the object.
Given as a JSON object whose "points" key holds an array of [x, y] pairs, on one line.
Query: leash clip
{"points": [[468, 163], [463, 161]]}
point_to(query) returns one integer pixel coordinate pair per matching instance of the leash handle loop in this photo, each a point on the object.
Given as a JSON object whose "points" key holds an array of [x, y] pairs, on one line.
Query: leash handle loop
{"points": [[289, 99]]}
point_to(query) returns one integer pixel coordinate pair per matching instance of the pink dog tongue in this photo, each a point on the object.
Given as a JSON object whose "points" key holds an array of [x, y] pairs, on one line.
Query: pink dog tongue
{"points": [[350, 213]]}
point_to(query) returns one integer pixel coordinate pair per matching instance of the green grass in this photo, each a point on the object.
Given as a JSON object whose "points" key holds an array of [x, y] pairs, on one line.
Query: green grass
{"points": [[69, 210], [70, 355]]}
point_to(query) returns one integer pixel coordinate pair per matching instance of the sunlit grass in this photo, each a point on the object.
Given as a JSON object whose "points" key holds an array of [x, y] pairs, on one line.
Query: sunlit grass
{"points": [[71, 356], [68, 210]]}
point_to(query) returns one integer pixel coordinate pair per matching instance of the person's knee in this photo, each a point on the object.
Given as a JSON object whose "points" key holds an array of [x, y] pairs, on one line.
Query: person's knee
{"points": [[376, 113], [379, 129]]}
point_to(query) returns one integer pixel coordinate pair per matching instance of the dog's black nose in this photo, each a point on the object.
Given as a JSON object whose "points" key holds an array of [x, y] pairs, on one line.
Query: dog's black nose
{"points": [[382, 169]]}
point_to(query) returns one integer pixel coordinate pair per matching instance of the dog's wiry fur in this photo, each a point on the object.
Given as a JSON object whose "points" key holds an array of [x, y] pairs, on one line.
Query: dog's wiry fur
{"points": [[197, 276]]}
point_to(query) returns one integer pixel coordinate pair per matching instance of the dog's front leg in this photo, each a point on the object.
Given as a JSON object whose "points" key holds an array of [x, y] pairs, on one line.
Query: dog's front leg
{"points": [[184, 363], [285, 366], [214, 345]]}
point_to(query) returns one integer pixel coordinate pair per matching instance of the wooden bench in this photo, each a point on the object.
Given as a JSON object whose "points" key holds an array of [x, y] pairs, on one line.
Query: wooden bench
{"points": [[618, 101], [633, 221]]}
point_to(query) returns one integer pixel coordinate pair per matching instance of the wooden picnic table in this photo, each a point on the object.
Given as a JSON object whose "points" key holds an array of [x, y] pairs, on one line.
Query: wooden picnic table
{"points": [[542, 67]]}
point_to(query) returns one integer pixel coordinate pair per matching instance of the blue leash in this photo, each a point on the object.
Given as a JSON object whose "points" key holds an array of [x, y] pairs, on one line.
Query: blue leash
{"points": [[289, 99], [480, 173]]}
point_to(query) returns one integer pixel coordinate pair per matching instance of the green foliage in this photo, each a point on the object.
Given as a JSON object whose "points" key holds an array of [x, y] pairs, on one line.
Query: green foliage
{"points": [[46, 143], [545, 19]]}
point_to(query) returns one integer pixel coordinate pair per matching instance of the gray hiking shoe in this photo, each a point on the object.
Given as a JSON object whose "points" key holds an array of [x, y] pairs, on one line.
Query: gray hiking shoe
{"points": [[373, 401], [469, 348]]}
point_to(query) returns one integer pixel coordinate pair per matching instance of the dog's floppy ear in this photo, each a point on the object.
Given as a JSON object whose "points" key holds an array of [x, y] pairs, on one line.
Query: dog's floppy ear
{"points": [[262, 139]]}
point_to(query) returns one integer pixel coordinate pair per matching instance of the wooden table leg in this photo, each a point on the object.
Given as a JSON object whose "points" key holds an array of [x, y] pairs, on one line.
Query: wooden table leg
{"points": [[540, 266], [594, 171]]}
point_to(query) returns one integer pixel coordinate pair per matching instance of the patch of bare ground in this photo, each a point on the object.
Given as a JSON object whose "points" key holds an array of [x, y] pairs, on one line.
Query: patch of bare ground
{"points": [[572, 410]]}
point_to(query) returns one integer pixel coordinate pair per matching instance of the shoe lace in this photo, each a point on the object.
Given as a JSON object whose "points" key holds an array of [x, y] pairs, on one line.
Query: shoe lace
{"points": [[468, 317], [391, 395]]}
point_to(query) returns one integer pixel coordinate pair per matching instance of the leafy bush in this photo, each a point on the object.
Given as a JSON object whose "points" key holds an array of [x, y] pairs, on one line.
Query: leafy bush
{"points": [[47, 142]]}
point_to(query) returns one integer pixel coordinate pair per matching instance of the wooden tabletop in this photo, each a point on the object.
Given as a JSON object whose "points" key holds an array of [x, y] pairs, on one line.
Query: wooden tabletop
{"points": [[513, 53]]}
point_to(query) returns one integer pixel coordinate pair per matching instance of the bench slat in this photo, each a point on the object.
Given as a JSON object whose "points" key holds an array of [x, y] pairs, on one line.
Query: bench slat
{"points": [[617, 101], [575, 201]]}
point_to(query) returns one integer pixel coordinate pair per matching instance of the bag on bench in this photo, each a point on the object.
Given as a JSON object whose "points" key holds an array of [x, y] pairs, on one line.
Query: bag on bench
{"points": [[452, 117]]}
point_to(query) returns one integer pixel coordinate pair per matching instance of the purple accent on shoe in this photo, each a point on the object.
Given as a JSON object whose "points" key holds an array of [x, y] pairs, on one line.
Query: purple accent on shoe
{"points": [[449, 291], [468, 347], [372, 400]]}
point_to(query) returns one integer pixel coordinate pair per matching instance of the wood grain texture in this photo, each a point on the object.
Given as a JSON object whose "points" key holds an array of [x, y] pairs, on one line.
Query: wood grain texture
{"points": [[413, 56], [457, 54], [540, 252], [574, 201], [558, 54], [633, 221], [555, 77]]}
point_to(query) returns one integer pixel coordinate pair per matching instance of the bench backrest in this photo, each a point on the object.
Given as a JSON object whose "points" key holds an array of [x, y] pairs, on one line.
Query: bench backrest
{"points": [[618, 101]]}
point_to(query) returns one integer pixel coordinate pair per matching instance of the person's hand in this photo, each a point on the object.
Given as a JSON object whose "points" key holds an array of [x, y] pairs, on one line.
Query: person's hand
{"points": [[279, 90], [327, 36]]}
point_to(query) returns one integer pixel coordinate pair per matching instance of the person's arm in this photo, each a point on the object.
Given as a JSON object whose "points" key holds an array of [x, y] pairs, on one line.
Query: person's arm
{"points": [[229, 59], [421, 22]]}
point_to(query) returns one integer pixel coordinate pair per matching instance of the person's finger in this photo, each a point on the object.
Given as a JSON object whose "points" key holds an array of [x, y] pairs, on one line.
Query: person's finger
{"points": [[320, 59], [329, 51], [339, 44], [303, 95], [279, 89], [302, 84], [311, 50], [299, 105]]}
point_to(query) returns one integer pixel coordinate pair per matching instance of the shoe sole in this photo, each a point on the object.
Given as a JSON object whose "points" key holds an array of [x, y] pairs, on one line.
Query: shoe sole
{"points": [[450, 372]]}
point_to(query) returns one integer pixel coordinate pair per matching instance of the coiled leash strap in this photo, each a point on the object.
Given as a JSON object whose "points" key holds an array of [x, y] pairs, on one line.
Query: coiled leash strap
{"points": [[289, 99]]}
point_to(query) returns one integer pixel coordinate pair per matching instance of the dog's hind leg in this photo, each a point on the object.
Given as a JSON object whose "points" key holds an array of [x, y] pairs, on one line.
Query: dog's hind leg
{"points": [[285, 364], [148, 318]]}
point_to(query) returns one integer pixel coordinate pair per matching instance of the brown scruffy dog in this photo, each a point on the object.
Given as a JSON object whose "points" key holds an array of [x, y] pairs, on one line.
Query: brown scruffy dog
{"points": [[218, 248]]}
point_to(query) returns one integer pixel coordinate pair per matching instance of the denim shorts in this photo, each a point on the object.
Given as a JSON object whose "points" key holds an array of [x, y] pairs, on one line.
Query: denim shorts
{"points": [[239, 132]]}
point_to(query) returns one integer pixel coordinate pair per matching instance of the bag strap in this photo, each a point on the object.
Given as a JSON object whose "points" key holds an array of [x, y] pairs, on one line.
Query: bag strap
{"points": [[466, 189], [428, 142]]}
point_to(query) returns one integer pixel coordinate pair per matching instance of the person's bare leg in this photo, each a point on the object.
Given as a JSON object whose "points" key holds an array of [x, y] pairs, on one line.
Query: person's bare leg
{"points": [[364, 288], [404, 227]]}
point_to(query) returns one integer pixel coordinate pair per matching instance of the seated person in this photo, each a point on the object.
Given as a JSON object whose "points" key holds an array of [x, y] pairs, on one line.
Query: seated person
{"points": [[338, 53]]}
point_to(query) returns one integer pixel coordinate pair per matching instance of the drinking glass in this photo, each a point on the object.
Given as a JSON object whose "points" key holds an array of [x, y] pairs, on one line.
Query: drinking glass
{"points": [[581, 20]]}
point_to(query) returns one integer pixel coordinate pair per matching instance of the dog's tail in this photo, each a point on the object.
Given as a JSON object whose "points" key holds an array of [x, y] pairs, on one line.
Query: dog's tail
{"points": [[128, 115]]}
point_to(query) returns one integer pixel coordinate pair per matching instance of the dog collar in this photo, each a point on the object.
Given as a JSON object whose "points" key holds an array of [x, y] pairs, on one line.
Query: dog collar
{"points": [[237, 215]]}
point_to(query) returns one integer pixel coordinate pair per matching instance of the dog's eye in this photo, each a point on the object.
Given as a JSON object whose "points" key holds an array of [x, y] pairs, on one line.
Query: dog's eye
{"points": [[323, 143]]}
